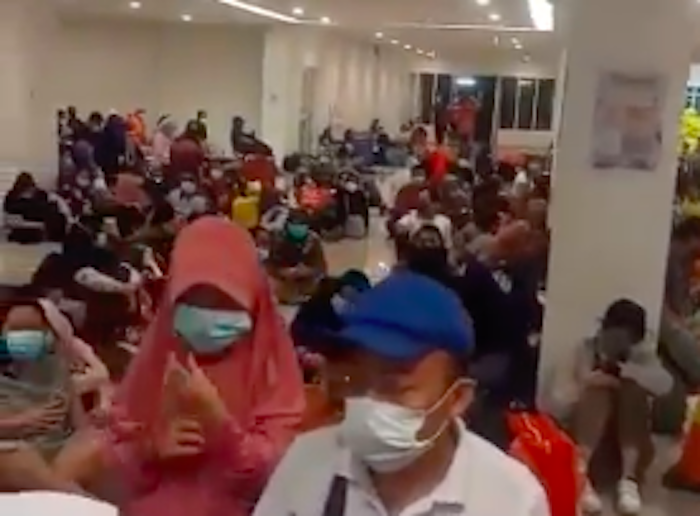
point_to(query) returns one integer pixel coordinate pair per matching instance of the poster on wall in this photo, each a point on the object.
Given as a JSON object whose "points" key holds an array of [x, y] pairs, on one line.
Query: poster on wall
{"points": [[627, 121]]}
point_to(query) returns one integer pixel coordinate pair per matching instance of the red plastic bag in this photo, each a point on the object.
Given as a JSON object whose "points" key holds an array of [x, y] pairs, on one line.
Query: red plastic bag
{"points": [[551, 455]]}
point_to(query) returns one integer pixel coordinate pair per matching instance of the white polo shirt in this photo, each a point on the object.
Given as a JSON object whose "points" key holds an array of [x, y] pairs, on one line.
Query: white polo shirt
{"points": [[481, 481], [39, 503]]}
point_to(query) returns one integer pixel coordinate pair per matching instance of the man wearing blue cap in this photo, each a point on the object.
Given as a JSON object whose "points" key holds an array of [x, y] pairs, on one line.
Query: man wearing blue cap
{"points": [[402, 447]]}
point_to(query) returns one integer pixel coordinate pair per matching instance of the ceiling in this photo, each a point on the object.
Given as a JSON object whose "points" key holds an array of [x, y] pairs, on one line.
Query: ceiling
{"points": [[449, 28]]}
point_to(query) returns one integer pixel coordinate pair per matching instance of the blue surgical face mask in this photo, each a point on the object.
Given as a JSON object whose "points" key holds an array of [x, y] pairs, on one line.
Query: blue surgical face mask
{"points": [[297, 232], [208, 331], [26, 345]]}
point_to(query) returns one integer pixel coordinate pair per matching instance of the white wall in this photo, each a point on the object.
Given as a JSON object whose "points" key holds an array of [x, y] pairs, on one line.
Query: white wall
{"points": [[175, 69], [360, 82]]}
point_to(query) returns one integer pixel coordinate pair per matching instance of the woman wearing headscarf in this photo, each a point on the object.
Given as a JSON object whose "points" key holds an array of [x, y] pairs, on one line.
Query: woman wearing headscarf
{"points": [[40, 409], [214, 396]]}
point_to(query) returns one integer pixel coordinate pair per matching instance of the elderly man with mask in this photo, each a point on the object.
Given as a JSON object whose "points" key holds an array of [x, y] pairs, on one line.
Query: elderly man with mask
{"points": [[402, 447]]}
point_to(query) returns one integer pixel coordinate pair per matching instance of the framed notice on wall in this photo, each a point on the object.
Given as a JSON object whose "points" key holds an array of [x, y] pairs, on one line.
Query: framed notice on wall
{"points": [[627, 121]]}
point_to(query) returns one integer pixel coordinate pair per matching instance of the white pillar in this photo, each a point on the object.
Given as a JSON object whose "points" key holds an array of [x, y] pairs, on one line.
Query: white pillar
{"points": [[610, 227], [27, 108]]}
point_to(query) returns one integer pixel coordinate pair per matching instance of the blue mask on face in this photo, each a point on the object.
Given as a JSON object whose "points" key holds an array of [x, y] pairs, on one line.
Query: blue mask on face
{"points": [[27, 345], [208, 331], [297, 232]]}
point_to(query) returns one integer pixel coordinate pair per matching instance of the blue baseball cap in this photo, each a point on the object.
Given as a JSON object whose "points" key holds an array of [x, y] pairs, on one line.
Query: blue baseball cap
{"points": [[407, 316]]}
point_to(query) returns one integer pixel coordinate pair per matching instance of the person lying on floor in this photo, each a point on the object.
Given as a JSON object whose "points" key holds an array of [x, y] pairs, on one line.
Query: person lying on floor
{"points": [[40, 396], [617, 373], [297, 260]]}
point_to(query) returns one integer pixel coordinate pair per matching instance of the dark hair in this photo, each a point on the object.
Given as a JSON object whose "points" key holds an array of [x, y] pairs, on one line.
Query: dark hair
{"points": [[628, 315], [688, 229], [23, 182]]}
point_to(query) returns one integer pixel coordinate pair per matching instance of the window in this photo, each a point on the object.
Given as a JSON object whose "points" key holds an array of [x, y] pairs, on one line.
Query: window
{"points": [[527, 88], [545, 105], [692, 97], [426, 88], [526, 104], [509, 90]]}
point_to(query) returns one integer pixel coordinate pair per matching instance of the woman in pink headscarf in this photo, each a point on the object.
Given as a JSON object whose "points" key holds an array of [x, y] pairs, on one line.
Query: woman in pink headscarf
{"points": [[215, 395]]}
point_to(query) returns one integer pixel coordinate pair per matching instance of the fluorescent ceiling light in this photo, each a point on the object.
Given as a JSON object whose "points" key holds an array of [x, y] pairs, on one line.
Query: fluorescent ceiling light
{"points": [[379, 35], [186, 17], [465, 81], [495, 17], [260, 11], [485, 27], [394, 41], [325, 20], [483, 2], [407, 47], [542, 14], [135, 5], [298, 11], [420, 51]]}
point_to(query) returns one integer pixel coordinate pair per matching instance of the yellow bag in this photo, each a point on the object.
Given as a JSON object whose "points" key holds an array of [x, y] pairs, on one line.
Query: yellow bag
{"points": [[245, 210]]}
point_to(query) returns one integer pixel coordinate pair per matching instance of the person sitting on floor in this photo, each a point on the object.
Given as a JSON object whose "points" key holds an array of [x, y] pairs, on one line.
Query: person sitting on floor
{"points": [[29, 214], [427, 211], [297, 261], [616, 374], [187, 199], [40, 404]]}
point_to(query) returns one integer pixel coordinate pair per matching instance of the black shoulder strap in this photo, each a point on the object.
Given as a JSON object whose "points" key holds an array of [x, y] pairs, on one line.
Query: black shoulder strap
{"points": [[337, 497]]}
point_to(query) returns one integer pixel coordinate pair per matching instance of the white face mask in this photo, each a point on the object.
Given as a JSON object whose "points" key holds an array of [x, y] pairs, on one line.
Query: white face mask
{"points": [[102, 240], [384, 435], [217, 174], [339, 303], [189, 187]]}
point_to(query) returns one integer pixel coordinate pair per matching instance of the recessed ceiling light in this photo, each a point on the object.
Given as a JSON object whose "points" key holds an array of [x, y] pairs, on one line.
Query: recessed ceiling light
{"points": [[495, 17], [483, 2], [186, 17], [298, 11], [135, 5], [394, 41], [420, 51], [431, 55], [407, 47], [379, 35], [325, 20]]}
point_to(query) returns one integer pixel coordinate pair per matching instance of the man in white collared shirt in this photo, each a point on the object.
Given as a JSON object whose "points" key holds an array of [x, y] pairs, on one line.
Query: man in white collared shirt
{"points": [[39, 503], [402, 448]]}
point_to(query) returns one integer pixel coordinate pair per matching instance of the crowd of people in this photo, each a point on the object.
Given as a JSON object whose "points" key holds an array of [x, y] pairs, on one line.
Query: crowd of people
{"points": [[147, 363]]}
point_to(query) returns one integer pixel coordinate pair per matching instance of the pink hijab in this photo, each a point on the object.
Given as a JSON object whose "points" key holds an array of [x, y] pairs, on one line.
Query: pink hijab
{"points": [[259, 381]]}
